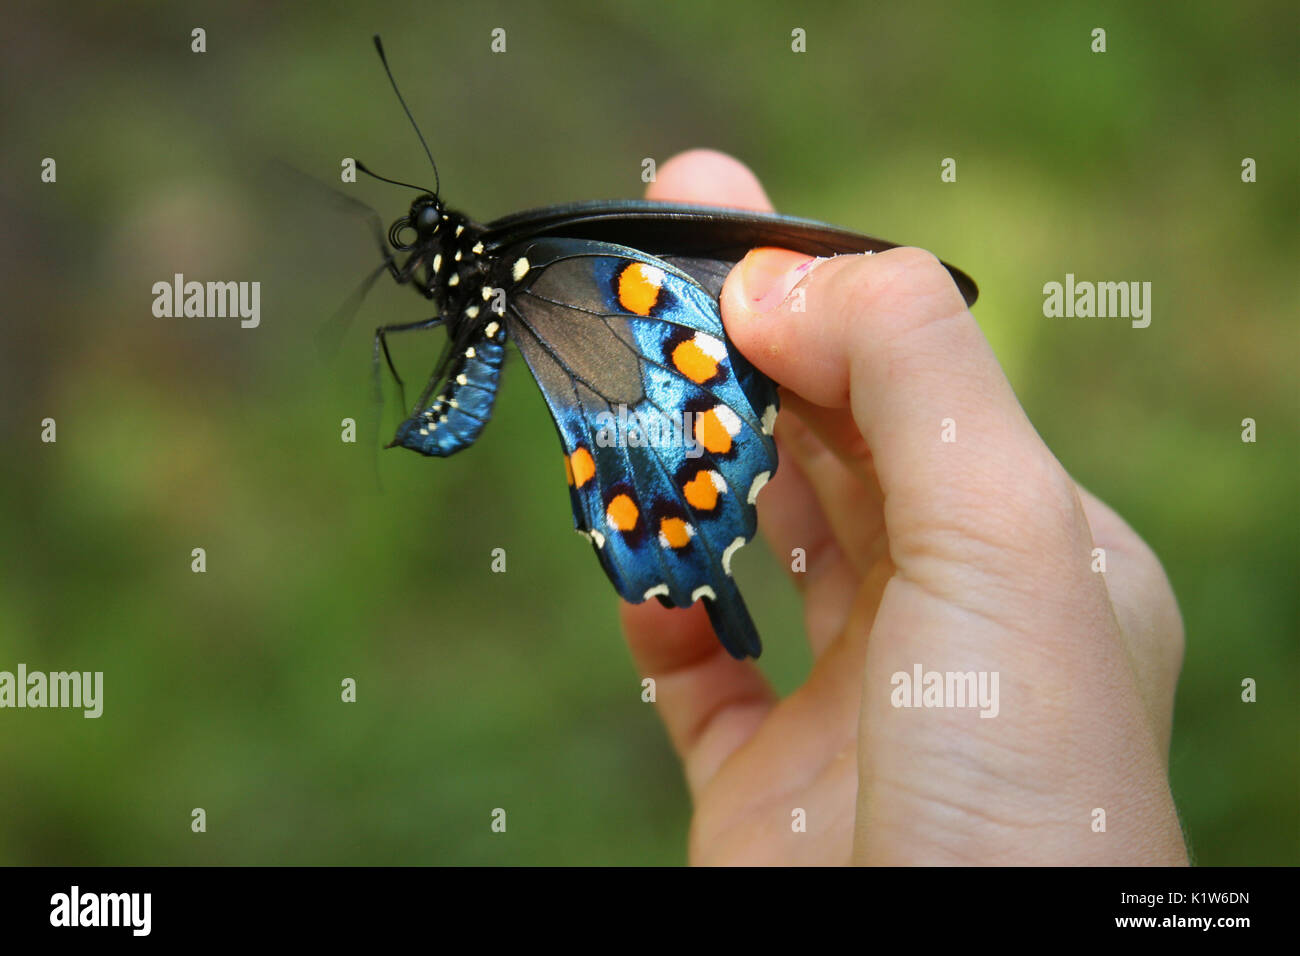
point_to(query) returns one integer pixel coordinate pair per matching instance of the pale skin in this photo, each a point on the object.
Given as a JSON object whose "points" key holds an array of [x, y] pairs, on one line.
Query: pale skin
{"points": [[970, 555]]}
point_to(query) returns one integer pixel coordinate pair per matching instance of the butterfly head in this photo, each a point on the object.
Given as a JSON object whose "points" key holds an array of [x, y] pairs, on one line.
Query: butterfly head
{"points": [[426, 219]]}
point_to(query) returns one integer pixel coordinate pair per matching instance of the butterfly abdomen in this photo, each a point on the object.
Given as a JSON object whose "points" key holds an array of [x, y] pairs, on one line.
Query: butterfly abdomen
{"points": [[457, 416]]}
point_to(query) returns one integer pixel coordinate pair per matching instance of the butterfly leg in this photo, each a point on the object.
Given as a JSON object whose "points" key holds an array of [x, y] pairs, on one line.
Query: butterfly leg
{"points": [[407, 273], [381, 343]]}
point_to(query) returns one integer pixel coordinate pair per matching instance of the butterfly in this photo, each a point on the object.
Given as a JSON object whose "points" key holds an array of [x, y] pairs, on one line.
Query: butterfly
{"points": [[666, 428]]}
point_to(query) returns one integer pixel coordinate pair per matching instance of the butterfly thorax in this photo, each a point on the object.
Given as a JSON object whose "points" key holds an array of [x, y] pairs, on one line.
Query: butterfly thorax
{"points": [[446, 262]]}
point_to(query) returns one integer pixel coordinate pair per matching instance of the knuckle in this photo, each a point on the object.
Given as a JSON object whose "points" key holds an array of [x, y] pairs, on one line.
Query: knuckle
{"points": [[914, 258], [900, 290], [1018, 519], [1052, 511], [922, 277]]}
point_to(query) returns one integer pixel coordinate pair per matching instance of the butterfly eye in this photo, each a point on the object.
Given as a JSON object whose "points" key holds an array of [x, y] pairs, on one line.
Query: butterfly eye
{"points": [[427, 220]]}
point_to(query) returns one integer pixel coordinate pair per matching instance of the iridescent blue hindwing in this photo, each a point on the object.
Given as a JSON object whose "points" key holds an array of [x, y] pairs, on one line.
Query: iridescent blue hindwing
{"points": [[666, 429]]}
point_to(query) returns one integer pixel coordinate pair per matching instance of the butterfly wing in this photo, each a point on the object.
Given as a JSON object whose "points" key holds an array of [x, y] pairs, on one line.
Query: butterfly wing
{"points": [[683, 232], [666, 429], [711, 274]]}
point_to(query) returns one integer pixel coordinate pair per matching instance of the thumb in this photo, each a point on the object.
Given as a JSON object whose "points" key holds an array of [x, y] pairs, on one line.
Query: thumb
{"points": [[888, 337]]}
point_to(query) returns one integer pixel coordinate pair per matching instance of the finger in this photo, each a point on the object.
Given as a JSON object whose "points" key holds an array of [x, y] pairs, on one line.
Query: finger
{"points": [[709, 702], [852, 509], [800, 536], [839, 432], [707, 176]]}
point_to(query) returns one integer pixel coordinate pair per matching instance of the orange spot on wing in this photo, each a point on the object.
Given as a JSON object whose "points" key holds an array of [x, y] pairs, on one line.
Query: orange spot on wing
{"points": [[638, 288], [701, 492], [695, 363], [711, 433], [622, 513], [674, 532], [580, 467]]}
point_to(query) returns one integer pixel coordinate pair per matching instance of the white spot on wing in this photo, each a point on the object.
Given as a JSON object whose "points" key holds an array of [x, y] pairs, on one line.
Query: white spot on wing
{"points": [[727, 419], [769, 419], [520, 269], [704, 591], [656, 590], [759, 481], [713, 348], [730, 553]]}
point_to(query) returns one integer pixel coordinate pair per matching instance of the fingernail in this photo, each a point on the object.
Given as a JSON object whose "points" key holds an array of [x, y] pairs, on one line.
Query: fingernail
{"points": [[768, 274]]}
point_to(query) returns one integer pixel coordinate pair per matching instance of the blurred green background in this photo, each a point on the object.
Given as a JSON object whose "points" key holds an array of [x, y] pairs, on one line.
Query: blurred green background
{"points": [[481, 690]]}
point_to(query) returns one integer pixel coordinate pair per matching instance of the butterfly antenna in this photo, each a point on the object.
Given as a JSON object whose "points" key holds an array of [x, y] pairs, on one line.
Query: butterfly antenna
{"points": [[384, 60], [362, 167]]}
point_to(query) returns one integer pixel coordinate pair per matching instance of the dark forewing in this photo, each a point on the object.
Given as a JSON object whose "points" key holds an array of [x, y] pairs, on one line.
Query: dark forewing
{"points": [[681, 230]]}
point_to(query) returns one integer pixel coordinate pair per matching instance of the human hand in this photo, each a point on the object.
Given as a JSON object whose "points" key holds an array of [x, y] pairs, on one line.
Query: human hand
{"points": [[966, 555]]}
